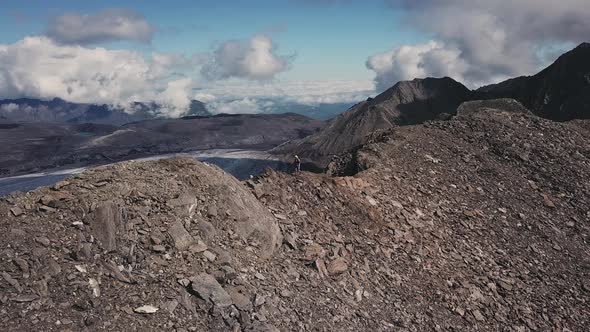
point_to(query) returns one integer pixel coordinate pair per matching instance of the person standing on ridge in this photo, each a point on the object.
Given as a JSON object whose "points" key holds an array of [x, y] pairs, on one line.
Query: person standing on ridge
{"points": [[297, 164]]}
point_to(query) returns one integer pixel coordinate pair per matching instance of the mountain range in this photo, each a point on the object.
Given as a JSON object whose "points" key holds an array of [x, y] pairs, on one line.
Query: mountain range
{"points": [[58, 110], [43, 134], [559, 92], [31, 147]]}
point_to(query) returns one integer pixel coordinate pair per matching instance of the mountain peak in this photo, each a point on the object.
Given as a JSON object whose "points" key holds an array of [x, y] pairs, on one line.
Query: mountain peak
{"points": [[405, 103], [559, 92]]}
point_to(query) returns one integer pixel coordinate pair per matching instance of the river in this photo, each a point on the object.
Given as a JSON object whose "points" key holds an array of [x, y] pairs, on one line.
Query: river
{"points": [[239, 163]]}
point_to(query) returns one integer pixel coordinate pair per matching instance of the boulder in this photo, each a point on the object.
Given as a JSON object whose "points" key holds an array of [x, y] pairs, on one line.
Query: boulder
{"points": [[181, 238], [209, 289], [105, 222]]}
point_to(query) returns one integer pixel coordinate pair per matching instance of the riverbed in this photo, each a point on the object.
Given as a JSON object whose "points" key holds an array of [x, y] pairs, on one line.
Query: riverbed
{"points": [[240, 163]]}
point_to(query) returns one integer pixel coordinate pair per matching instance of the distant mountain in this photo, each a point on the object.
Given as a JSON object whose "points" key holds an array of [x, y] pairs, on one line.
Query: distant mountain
{"points": [[559, 92], [34, 110], [198, 108], [60, 111], [105, 114], [320, 111], [28, 147], [407, 102]]}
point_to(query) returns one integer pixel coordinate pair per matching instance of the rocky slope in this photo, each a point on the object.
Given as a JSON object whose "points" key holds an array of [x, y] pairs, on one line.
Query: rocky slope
{"points": [[477, 223], [560, 92], [407, 102]]}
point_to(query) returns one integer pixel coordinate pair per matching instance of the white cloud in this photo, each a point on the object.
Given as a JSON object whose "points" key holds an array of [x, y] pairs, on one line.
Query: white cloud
{"points": [[10, 107], [411, 61], [235, 97], [250, 59], [105, 26], [240, 106], [482, 41], [176, 98], [304, 92], [37, 67], [205, 97]]}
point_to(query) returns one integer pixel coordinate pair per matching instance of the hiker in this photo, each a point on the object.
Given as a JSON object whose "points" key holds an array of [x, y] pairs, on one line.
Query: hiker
{"points": [[297, 164]]}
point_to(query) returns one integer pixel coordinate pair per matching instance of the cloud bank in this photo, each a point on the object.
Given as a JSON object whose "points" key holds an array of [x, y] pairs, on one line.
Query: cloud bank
{"points": [[233, 96], [411, 61], [105, 26], [481, 41], [253, 59], [38, 67]]}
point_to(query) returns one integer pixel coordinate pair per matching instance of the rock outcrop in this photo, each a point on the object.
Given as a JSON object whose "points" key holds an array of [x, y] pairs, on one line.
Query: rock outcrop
{"points": [[559, 92]]}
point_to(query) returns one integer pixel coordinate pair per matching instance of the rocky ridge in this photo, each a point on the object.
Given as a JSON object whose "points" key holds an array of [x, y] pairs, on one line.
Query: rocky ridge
{"points": [[559, 92], [405, 103], [477, 223]]}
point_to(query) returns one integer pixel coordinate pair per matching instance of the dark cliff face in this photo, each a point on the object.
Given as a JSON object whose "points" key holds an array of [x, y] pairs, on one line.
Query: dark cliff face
{"points": [[406, 103], [560, 92]]}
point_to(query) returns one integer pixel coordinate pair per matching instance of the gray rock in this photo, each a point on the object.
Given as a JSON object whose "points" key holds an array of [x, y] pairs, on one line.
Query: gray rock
{"points": [[265, 230], [159, 248], [26, 298], [24, 267], [478, 316], [146, 309], [337, 266], [185, 204], [43, 241], [207, 229], [105, 222], [182, 239], [209, 255], [16, 211], [45, 208], [13, 282], [209, 289], [230, 273], [212, 210], [241, 301], [170, 306]]}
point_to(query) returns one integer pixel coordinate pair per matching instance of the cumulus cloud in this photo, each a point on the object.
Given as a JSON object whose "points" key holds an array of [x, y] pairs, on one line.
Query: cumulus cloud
{"points": [[411, 61], [482, 41], [254, 59], [38, 67], [10, 107], [176, 97], [105, 26], [239, 106]]}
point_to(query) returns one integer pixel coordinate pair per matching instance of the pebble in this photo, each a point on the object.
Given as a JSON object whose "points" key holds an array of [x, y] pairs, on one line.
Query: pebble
{"points": [[146, 309], [209, 255]]}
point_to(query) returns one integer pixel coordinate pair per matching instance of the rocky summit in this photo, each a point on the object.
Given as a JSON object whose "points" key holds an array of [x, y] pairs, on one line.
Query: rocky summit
{"points": [[559, 92], [477, 223], [405, 103]]}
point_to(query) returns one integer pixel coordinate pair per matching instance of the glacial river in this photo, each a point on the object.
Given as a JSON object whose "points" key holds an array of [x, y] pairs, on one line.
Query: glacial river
{"points": [[239, 163]]}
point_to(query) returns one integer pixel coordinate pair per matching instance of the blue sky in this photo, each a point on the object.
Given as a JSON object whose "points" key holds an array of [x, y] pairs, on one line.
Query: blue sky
{"points": [[240, 56], [329, 40]]}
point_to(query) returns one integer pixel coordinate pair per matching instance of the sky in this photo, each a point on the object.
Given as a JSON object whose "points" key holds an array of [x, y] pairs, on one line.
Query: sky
{"points": [[235, 54]]}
